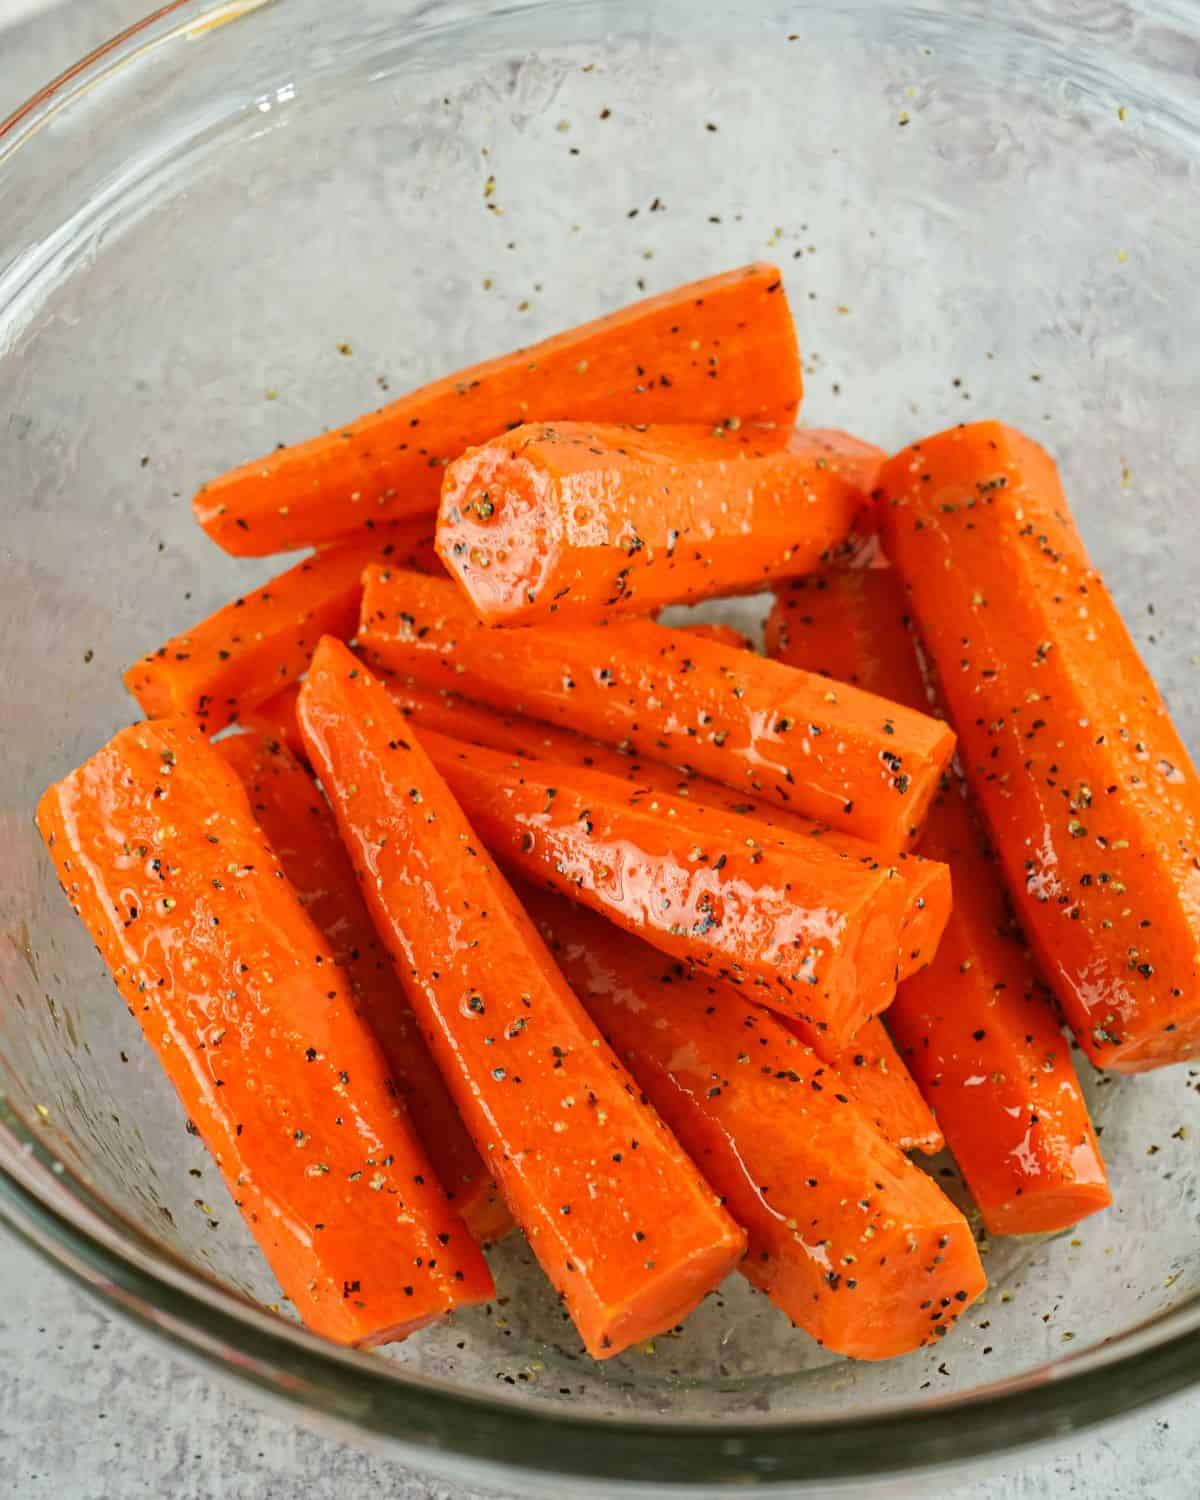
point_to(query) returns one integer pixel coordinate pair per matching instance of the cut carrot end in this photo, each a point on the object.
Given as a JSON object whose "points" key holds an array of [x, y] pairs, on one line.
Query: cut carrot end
{"points": [[1047, 1211], [562, 521]]}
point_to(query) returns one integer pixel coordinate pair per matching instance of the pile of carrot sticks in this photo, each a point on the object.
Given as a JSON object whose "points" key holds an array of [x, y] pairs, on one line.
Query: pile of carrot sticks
{"points": [[456, 892]]}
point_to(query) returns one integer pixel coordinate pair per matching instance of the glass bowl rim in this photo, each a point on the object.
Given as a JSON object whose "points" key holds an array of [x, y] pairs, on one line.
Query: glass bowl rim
{"points": [[53, 1211]]}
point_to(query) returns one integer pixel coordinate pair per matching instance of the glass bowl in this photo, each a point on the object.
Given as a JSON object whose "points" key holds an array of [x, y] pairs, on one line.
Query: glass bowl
{"points": [[243, 221]]}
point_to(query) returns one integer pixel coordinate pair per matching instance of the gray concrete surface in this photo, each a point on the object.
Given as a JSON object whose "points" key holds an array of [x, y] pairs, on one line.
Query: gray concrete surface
{"points": [[91, 1409]]}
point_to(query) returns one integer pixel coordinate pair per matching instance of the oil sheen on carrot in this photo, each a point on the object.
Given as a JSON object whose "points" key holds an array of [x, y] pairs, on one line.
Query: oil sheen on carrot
{"points": [[622, 1223], [804, 929]]}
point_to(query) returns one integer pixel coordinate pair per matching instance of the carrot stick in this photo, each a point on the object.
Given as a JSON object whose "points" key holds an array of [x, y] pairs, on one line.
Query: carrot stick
{"points": [[581, 521], [717, 630], [874, 1075], [976, 1028], [712, 350], [252, 646], [625, 1228], [840, 756], [809, 932], [926, 883], [301, 830], [1090, 795], [857, 1245], [246, 1009]]}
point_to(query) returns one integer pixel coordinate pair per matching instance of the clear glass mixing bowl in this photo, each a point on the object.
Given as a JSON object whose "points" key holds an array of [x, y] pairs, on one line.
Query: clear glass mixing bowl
{"points": [[243, 221]]}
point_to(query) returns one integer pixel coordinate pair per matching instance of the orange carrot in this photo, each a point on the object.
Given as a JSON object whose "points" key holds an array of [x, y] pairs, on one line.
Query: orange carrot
{"points": [[1090, 795], [874, 1075], [252, 646], [580, 520], [976, 1028], [837, 755], [856, 1245], [301, 830], [625, 1228], [810, 932], [872, 1069], [275, 719], [717, 630], [244, 1004], [713, 350], [926, 883]]}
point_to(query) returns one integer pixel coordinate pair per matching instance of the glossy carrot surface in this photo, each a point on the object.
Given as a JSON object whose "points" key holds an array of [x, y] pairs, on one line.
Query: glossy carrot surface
{"points": [[805, 930], [622, 1223], [464, 719], [300, 827], [580, 520], [253, 1022], [926, 882], [856, 1244], [1090, 795], [707, 352], [260, 641], [977, 1028], [832, 753], [980, 1034]]}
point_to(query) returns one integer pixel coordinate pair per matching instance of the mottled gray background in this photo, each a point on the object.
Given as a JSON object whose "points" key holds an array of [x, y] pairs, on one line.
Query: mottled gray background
{"points": [[91, 1409]]}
